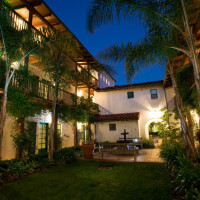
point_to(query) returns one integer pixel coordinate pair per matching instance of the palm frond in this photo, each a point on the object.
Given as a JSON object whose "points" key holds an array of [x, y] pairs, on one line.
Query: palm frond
{"points": [[140, 55]]}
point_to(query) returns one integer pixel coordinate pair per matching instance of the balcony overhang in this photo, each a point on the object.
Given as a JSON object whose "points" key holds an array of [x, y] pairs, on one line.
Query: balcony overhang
{"points": [[42, 16]]}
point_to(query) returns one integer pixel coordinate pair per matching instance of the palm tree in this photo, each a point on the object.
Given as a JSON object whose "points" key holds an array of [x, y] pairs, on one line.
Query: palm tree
{"points": [[54, 57], [16, 46], [170, 15], [160, 46]]}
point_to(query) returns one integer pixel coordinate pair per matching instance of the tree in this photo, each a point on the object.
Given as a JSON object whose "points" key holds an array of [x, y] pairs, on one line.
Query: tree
{"points": [[54, 57], [170, 15], [16, 46], [158, 46]]}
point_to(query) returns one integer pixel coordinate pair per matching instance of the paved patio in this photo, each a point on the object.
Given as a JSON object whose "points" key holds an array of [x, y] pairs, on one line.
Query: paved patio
{"points": [[144, 155]]}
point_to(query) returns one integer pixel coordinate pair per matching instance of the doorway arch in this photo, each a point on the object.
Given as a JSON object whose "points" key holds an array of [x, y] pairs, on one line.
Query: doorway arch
{"points": [[147, 126]]}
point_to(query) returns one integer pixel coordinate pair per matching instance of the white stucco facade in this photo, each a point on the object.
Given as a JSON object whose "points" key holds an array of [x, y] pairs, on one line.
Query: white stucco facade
{"points": [[116, 101], [105, 80], [104, 134]]}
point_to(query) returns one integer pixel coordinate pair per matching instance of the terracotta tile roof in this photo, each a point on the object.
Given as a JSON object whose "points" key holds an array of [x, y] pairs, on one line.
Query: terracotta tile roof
{"points": [[118, 117], [121, 87]]}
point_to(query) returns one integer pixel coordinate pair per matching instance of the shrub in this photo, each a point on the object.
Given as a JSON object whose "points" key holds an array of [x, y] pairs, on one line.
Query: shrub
{"points": [[188, 178], [148, 143], [17, 167], [3, 170], [38, 157], [66, 155], [170, 150], [41, 159], [186, 175], [3, 166]]}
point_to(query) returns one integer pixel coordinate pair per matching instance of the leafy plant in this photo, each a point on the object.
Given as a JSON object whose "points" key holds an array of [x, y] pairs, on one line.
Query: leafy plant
{"points": [[170, 150], [148, 143], [66, 155], [21, 142], [17, 167], [168, 128]]}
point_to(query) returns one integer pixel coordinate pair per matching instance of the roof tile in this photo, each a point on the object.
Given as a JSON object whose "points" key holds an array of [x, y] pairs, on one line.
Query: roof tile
{"points": [[118, 117]]}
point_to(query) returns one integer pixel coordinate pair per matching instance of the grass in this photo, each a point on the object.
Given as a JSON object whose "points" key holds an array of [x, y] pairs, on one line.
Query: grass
{"points": [[83, 180]]}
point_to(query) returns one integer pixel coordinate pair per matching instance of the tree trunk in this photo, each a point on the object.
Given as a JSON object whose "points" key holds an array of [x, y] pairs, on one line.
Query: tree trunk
{"points": [[189, 145], [2, 120], [3, 111], [75, 133], [52, 128], [194, 57], [20, 130], [190, 126], [55, 132]]}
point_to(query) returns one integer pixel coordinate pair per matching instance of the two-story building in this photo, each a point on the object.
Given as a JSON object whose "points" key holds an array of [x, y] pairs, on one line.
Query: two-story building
{"points": [[132, 107], [34, 15]]}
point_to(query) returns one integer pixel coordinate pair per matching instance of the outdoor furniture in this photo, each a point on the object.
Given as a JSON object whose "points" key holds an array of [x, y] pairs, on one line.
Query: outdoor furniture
{"points": [[118, 148]]}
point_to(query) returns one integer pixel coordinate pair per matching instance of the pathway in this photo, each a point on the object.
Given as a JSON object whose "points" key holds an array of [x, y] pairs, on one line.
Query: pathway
{"points": [[144, 155]]}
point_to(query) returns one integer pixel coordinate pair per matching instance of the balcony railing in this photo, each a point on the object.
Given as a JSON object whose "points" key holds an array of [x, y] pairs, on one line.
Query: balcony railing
{"points": [[40, 89], [43, 89], [86, 77]]}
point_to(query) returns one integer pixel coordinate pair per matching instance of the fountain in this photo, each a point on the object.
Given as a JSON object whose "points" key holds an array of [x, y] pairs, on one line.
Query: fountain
{"points": [[125, 139]]}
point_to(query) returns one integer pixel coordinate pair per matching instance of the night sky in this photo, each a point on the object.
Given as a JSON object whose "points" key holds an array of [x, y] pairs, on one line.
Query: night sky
{"points": [[73, 14]]}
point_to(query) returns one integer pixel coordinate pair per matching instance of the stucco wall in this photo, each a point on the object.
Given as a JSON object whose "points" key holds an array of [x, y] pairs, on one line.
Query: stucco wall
{"points": [[105, 80], [104, 134], [67, 135], [116, 101]]}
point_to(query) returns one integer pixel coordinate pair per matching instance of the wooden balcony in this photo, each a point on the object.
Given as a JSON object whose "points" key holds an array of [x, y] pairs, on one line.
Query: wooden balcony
{"points": [[87, 79], [41, 89]]}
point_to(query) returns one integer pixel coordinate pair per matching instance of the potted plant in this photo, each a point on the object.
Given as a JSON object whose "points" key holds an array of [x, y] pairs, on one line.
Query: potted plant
{"points": [[88, 146], [85, 112]]}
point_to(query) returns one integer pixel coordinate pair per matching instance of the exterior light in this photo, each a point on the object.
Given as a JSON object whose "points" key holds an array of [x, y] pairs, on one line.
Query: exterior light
{"points": [[79, 93], [135, 139], [195, 116], [79, 125], [14, 65], [156, 114]]}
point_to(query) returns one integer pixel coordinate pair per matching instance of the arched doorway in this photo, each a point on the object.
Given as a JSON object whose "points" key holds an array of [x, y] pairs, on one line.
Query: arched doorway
{"points": [[148, 126], [154, 128]]}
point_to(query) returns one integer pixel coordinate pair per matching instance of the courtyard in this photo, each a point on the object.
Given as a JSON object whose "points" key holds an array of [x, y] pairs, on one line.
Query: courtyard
{"points": [[93, 180]]}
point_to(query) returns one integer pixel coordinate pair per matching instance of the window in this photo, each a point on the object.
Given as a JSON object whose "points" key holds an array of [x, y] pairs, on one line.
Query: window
{"points": [[43, 131], [44, 89], [130, 95], [112, 127], [59, 129], [154, 94]]}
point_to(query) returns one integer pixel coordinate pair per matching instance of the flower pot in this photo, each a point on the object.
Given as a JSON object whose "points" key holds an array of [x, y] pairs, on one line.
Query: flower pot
{"points": [[88, 151]]}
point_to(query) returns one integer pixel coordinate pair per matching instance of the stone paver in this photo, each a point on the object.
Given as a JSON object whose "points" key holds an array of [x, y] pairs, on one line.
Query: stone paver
{"points": [[144, 155]]}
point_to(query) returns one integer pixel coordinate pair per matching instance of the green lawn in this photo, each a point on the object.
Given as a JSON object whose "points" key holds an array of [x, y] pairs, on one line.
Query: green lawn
{"points": [[83, 180]]}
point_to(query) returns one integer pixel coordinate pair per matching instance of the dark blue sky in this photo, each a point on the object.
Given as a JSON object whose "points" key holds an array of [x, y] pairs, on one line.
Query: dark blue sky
{"points": [[73, 14]]}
